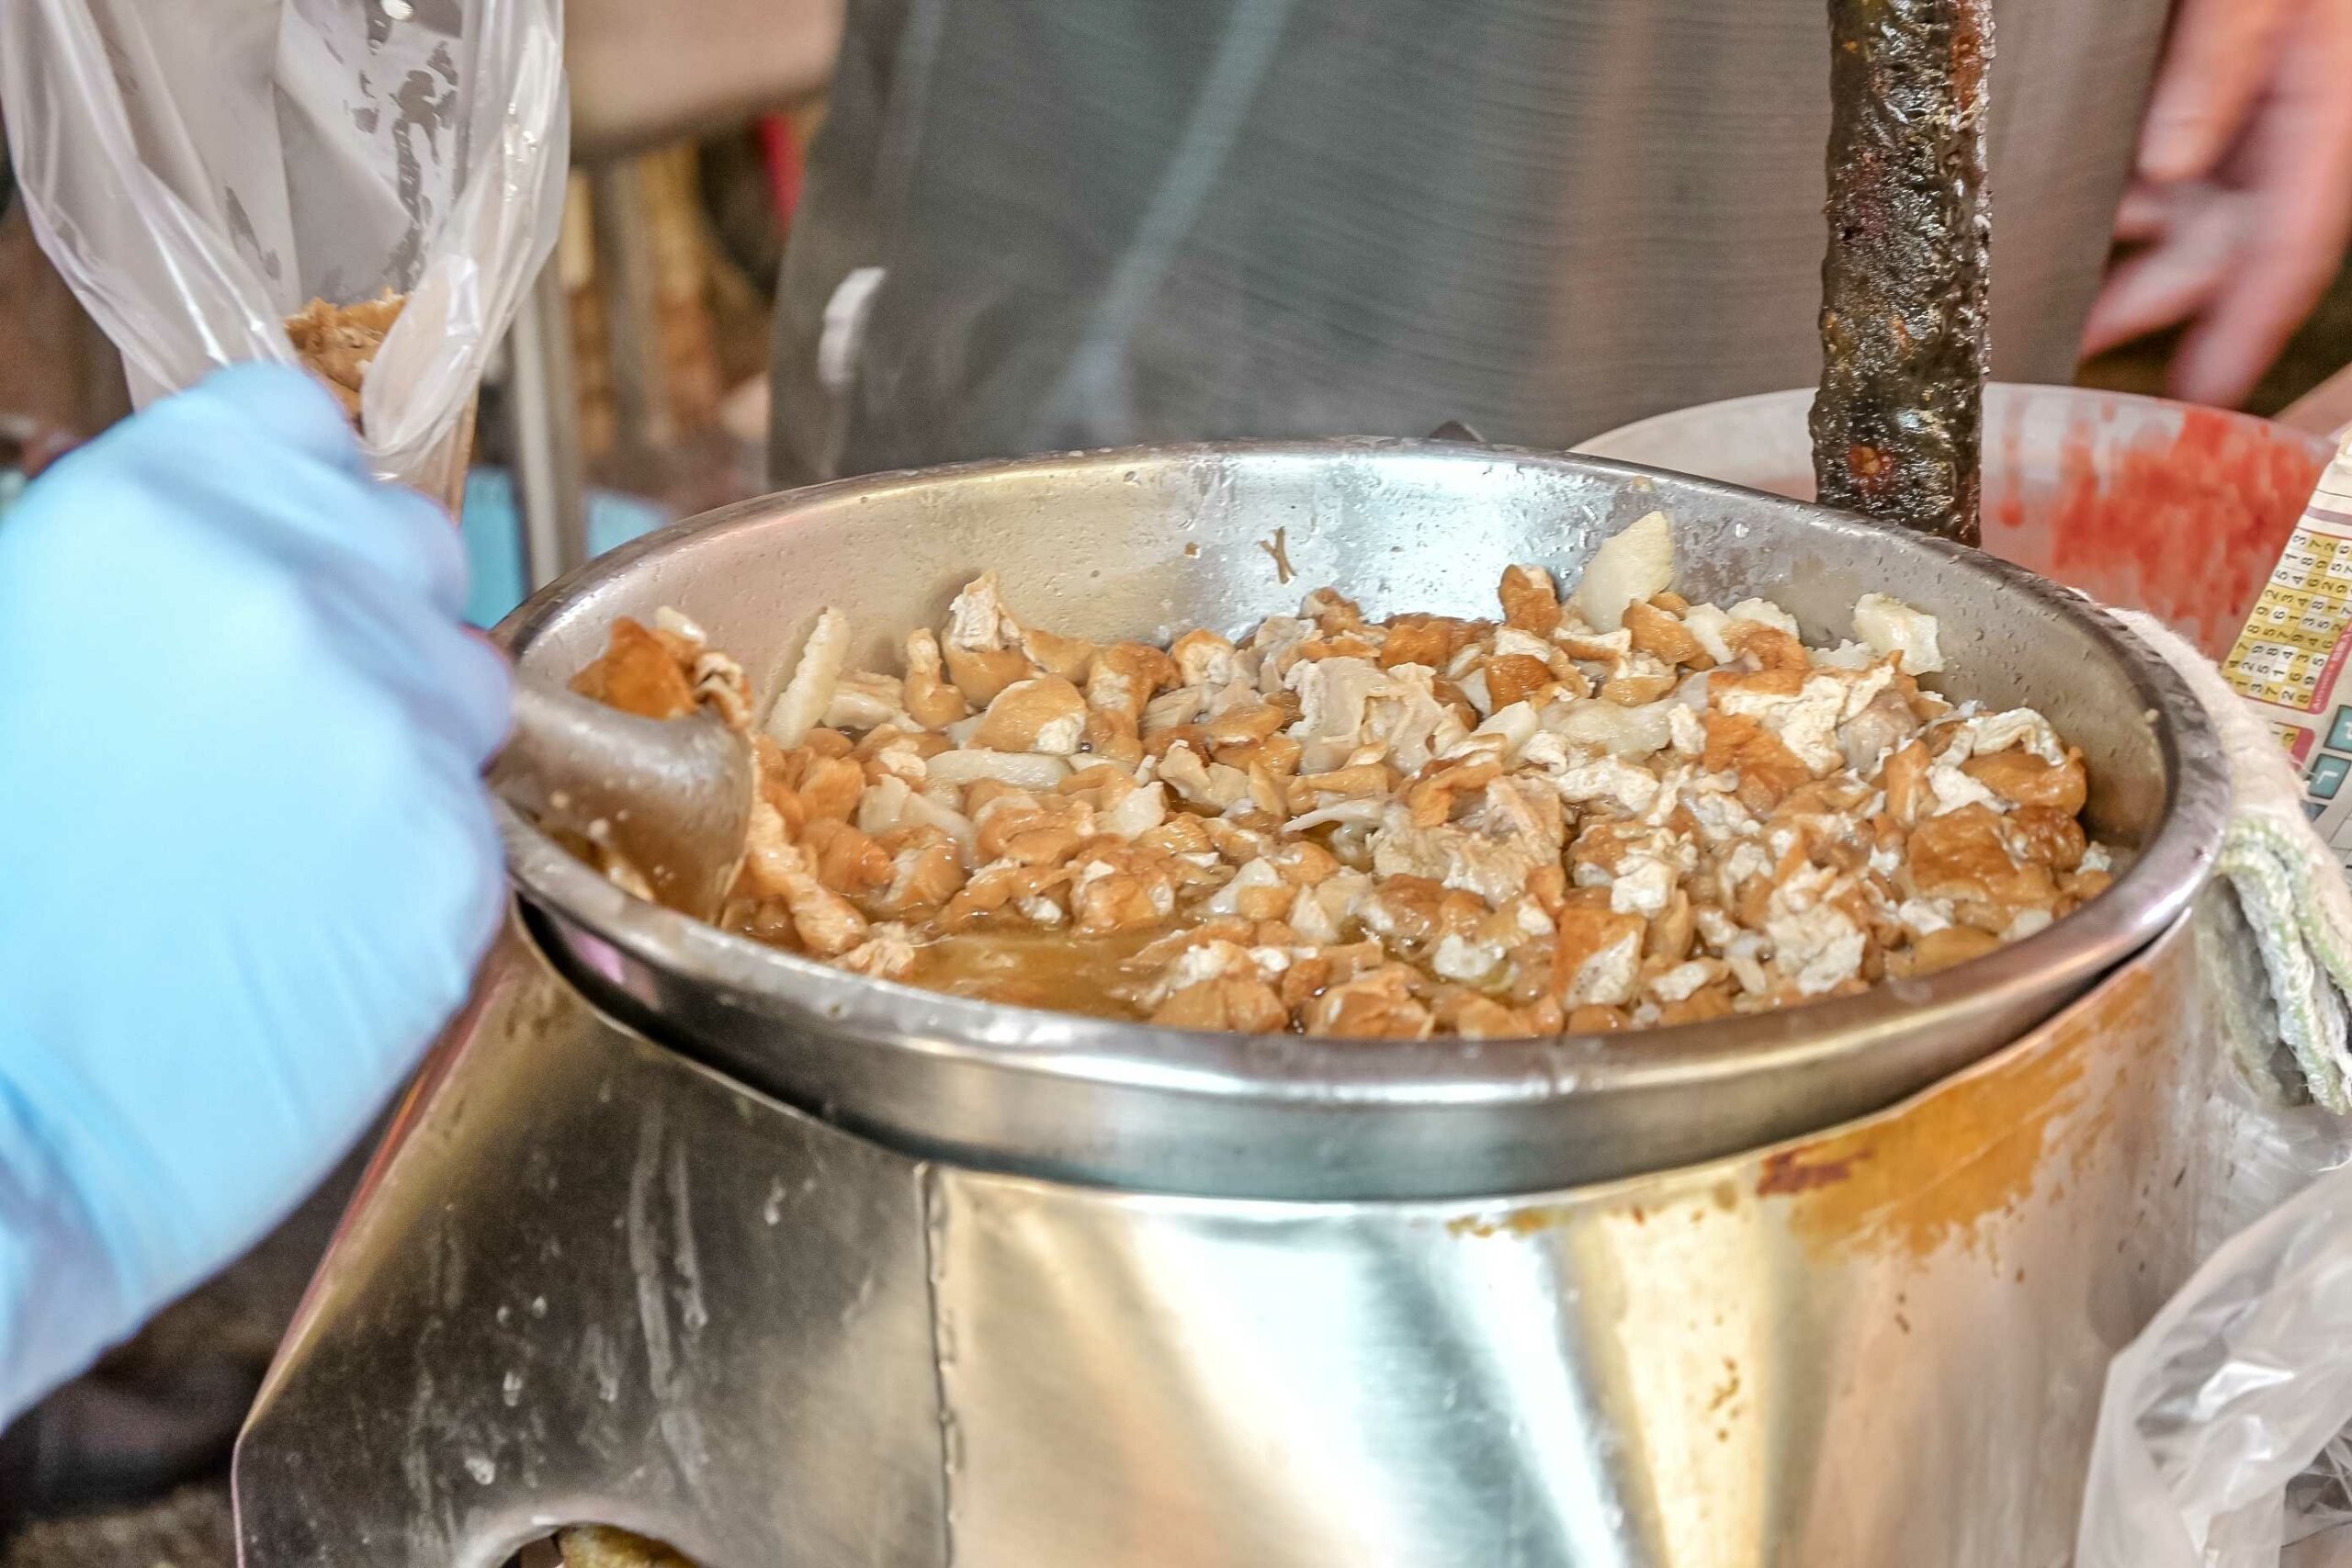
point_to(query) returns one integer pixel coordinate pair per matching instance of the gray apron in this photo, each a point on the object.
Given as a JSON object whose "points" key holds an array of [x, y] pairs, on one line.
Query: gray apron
{"points": [[1044, 224]]}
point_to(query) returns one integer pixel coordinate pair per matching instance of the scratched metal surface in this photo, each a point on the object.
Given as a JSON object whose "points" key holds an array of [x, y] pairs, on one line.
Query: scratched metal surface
{"points": [[587, 1281], [1881, 1346], [590, 1280]]}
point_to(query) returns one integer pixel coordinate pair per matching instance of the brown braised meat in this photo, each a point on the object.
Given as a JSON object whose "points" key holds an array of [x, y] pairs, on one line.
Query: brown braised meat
{"points": [[1604, 809]]}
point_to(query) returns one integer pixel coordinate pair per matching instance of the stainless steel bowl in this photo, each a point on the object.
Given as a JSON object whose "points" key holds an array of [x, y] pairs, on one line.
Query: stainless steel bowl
{"points": [[1138, 543]]}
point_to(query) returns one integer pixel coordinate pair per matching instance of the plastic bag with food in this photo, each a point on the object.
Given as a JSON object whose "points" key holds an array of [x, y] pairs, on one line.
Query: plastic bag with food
{"points": [[364, 186]]}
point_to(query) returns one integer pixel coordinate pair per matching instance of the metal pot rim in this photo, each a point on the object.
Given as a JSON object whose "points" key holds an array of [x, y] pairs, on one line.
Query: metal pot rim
{"points": [[2150, 894], [2000, 398]]}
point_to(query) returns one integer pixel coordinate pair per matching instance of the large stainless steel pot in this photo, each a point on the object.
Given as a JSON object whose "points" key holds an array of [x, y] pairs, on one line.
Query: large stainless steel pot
{"points": [[588, 1281], [1372, 1304], [1127, 544]]}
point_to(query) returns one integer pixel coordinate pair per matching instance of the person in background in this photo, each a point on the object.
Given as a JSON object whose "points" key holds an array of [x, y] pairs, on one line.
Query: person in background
{"points": [[247, 862], [2241, 196], [1032, 226]]}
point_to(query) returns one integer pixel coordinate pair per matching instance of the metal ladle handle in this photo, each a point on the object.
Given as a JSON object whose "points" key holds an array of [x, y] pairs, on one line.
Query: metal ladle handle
{"points": [[671, 798]]}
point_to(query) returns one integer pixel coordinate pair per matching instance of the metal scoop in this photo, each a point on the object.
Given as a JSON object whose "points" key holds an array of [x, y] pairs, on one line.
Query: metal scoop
{"points": [[672, 797]]}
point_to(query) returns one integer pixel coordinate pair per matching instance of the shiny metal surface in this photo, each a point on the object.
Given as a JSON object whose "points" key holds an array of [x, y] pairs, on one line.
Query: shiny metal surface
{"points": [[543, 428], [589, 1281], [1122, 544], [674, 799], [585, 1280]]}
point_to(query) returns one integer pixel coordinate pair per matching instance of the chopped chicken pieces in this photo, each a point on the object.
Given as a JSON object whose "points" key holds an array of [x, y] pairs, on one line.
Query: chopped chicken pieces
{"points": [[1045, 714], [1609, 811], [639, 674]]}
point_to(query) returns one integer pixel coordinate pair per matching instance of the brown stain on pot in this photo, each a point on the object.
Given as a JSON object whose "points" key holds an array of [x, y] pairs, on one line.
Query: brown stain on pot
{"points": [[1929, 1174], [1532, 1220], [1790, 1171]]}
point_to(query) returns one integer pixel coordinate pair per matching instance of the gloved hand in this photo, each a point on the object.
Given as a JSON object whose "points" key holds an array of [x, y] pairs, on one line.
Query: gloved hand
{"points": [[247, 864]]}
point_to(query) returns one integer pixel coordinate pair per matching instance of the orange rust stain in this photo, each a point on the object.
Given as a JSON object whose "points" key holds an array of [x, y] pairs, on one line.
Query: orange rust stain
{"points": [[1531, 1221], [1929, 1174]]}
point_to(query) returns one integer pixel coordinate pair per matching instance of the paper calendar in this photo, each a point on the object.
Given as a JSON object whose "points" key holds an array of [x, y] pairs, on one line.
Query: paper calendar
{"points": [[2289, 661]]}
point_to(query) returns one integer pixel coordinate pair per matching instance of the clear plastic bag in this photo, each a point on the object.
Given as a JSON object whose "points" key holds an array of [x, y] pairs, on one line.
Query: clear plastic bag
{"points": [[2221, 1436], [198, 170]]}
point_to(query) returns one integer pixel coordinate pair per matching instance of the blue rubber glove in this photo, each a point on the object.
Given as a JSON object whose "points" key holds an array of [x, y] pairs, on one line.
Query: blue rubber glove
{"points": [[247, 865]]}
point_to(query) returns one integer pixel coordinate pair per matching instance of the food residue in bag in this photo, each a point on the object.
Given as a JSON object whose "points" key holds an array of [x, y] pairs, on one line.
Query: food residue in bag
{"points": [[337, 343]]}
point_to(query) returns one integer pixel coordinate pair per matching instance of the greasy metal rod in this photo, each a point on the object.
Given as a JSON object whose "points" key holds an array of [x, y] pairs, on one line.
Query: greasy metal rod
{"points": [[1897, 426]]}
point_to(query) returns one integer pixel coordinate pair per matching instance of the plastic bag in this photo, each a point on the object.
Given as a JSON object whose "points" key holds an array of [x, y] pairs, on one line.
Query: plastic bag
{"points": [[2220, 1439], [200, 170]]}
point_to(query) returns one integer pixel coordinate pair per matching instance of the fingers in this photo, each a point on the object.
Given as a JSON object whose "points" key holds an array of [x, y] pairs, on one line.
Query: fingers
{"points": [[2216, 67], [2171, 282], [478, 684], [256, 475], [284, 471], [462, 687], [2248, 252], [2147, 213], [263, 455], [404, 537], [283, 404], [2301, 163], [448, 680], [315, 519]]}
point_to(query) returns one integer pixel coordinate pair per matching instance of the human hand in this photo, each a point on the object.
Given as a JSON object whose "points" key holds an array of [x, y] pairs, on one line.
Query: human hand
{"points": [[247, 864], [2242, 193]]}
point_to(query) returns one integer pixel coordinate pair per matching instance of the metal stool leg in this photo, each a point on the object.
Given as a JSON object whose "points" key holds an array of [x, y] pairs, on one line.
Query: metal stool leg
{"points": [[625, 269], [551, 490]]}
